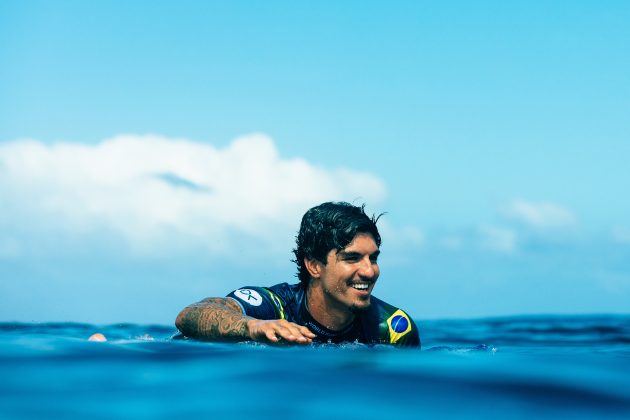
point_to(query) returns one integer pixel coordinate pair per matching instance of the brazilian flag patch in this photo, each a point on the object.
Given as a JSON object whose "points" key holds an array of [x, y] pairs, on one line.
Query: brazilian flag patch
{"points": [[399, 324]]}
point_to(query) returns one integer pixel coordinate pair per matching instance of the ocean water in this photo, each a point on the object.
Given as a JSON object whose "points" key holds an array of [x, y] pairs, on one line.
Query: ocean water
{"points": [[513, 367]]}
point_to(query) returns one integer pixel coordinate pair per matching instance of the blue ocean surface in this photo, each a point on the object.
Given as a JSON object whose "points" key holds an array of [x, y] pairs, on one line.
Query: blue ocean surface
{"points": [[513, 367]]}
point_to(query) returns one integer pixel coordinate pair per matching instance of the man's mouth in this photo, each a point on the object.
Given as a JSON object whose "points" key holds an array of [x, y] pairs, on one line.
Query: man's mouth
{"points": [[360, 286]]}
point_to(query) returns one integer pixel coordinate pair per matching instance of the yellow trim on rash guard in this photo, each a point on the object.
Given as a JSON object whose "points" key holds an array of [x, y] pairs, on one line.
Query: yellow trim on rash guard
{"points": [[394, 336], [278, 303]]}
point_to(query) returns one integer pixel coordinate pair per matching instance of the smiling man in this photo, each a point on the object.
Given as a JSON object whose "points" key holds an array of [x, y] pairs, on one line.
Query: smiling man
{"points": [[336, 254]]}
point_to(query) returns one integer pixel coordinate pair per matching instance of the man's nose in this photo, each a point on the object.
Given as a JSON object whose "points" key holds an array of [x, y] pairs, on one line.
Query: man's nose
{"points": [[367, 269]]}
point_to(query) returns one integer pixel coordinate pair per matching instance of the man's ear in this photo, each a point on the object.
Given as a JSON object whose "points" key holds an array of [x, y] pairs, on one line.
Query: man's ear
{"points": [[314, 267]]}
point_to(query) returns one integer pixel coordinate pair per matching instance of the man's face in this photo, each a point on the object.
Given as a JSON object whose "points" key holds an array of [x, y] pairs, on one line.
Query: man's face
{"points": [[350, 274]]}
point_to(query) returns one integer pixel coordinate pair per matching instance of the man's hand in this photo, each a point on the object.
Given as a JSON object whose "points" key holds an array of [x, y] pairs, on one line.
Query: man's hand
{"points": [[277, 330]]}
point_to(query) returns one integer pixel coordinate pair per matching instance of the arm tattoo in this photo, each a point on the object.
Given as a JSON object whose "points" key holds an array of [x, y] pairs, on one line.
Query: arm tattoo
{"points": [[213, 319]]}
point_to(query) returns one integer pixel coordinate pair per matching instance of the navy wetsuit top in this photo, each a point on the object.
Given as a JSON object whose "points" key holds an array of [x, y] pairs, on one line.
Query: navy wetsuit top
{"points": [[381, 323]]}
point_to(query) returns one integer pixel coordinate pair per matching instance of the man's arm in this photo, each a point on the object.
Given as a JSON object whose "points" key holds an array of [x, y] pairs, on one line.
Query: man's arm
{"points": [[213, 319], [221, 319]]}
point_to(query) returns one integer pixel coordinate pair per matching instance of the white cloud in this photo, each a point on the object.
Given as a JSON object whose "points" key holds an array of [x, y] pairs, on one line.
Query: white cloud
{"points": [[540, 214], [498, 239], [152, 190]]}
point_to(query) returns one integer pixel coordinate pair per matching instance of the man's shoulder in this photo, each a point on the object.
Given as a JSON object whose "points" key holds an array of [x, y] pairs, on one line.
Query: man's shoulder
{"points": [[272, 302], [393, 323]]}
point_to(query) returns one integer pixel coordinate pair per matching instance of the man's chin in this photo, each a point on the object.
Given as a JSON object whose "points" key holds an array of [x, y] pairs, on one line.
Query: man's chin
{"points": [[361, 306]]}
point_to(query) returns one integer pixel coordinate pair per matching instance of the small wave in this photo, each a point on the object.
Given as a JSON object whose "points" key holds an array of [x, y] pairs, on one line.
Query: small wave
{"points": [[532, 330], [480, 348]]}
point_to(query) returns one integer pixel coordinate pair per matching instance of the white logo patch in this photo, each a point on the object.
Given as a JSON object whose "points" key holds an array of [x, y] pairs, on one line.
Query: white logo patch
{"points": [[250, 296]]}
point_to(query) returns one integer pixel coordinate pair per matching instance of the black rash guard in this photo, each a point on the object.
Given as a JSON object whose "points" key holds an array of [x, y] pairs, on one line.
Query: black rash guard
{"points": [[381, 323]]}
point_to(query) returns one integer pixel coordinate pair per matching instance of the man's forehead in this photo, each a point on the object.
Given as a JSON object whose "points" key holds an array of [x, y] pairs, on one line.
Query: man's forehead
{"points": [[357, 241]]}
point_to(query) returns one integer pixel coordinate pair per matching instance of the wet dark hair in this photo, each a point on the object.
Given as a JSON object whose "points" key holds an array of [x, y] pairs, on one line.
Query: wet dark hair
{"points": [[329, 226]]}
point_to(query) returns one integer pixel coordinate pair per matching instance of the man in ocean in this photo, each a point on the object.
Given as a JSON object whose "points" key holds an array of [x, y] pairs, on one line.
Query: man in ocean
{"points": [[336, 252]]}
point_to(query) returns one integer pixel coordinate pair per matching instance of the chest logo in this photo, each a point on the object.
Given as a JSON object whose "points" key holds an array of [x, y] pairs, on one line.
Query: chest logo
{"points": [[249, 296]]}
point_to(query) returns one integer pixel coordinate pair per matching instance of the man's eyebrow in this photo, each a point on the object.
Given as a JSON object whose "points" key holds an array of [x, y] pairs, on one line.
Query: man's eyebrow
{"points": [[350, 254]]}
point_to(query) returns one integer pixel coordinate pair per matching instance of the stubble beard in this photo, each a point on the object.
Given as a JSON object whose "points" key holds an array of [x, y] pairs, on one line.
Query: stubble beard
{"points": [[356, 308]]}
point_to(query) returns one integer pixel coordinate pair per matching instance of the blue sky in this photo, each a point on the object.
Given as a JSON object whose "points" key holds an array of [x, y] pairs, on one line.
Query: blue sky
{"points": [[152, 154]]}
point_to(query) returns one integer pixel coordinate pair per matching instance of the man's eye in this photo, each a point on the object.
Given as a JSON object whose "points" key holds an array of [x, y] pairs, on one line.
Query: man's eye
{"points": [[374, 259]]}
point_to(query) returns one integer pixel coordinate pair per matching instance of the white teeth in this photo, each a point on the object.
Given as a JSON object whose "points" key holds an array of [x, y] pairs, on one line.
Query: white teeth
{"points": [[361, 286]]}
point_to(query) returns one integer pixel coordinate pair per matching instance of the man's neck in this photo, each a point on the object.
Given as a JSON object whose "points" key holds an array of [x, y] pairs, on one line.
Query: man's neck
{"points": [[329, 314]]}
